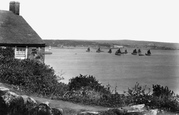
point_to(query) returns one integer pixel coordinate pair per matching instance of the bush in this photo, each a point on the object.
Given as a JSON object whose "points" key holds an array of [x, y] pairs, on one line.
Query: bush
{"points": [[86, 82], [32, 76], [138, 95], [164, 98], [86, 89], [159, 90], [6, 52]]}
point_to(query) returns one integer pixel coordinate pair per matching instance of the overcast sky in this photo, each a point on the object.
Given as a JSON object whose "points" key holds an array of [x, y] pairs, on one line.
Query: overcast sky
{"points": [[151, 20]]}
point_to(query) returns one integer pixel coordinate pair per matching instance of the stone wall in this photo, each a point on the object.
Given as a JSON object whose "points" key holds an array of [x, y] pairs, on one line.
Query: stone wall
{"points": [[13, 104]]}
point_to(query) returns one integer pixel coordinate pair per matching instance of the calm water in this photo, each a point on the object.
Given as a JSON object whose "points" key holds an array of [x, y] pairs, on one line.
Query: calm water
{"points": [[121, 71]]}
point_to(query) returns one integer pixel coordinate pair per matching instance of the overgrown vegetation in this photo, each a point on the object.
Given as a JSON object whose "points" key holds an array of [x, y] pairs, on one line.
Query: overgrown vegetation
{"points": [[86, 89], [37, 78], [138, 95], [30, 75], [163, 97]]}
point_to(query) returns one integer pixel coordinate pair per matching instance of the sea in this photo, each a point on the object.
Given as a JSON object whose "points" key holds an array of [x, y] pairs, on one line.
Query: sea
{"points": [[120, 72]]}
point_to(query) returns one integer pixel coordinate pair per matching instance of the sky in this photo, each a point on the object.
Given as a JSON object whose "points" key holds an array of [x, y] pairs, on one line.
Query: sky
{"points": [[148, 20]]}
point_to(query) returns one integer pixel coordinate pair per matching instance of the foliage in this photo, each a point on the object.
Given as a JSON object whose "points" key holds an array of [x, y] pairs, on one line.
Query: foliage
{"points": [[6, 52], [164, 98], [162, 91], [89, 82], [138, 95], [86, 89], [32, 76]]}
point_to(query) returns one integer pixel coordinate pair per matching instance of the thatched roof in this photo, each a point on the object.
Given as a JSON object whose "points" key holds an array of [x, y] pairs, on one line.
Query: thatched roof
{"points": [[15, 30]]}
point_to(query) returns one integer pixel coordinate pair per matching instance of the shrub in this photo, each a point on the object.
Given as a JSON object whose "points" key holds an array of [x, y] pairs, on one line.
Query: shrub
{"points": [[6, 52], [86, 82], [138, 95], [164, 98], [159, 90], [86, 89], [32, 76]]}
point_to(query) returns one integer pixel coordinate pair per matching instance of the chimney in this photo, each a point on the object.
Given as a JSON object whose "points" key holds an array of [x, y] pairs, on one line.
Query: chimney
{"points": [[14, 7]]}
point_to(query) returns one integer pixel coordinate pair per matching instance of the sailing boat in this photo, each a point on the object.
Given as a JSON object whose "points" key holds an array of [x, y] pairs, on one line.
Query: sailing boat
{"points": [[88, 50], [134, 52], [148, 53], [118, 52], [98, 50], [110, 50], [139, 51], [125, 52]]}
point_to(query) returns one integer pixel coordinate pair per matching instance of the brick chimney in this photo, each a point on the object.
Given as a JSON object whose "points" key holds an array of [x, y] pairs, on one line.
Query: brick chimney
{"points": [[14, 7]]}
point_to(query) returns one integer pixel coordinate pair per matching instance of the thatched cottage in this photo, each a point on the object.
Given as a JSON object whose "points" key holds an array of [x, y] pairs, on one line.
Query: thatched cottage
{"points": [[15, 32]]}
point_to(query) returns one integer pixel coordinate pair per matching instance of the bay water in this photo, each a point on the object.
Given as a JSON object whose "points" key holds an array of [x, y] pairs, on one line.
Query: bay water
{"points": [[162, 67]]}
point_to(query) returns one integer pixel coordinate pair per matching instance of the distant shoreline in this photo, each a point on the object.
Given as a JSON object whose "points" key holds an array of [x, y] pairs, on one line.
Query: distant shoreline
{"points": [[71, 44], [95, 47]]}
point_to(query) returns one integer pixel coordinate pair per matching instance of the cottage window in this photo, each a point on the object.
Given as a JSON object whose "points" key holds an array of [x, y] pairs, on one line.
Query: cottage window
{"points": [[20, 52]]}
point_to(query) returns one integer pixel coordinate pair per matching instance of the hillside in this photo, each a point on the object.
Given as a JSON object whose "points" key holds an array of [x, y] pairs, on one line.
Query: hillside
{"points": [[110, 43], [74, 43], [150, 44]]}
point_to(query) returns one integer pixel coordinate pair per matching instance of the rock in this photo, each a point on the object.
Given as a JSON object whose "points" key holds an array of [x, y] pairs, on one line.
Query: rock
{"points": [[3, 107], [88, 113], [139, 107], [136, 108], [113, 112], [152, 112], [47, 103], [45, 109], [41, 109], [4, 89], [29, 103], [28, 100], [13, 104], [9, 96], [54, 111], [57, 111]]}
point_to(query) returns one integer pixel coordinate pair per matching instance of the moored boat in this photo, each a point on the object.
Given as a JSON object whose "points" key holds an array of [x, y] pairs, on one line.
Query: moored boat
{"points": [[88, 50], [139, 51], [110, 50], [148, 53], [134, 52], [118, 52], [98, 50], [125, 52]]}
